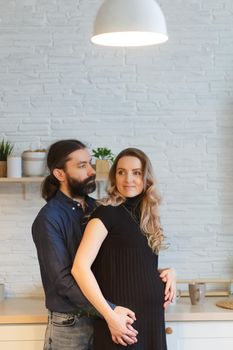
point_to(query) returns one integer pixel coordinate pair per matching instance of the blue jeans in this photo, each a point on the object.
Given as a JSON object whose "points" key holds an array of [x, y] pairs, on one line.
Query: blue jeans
{"points": [[68, 332]]}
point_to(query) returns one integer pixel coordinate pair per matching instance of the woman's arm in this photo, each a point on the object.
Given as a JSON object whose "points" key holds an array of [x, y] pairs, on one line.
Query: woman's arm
{"points": [[94, 235]]}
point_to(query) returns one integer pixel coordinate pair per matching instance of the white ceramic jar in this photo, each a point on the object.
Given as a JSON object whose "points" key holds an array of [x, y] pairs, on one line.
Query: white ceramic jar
{"points": [[14, 166], [34, 163]]}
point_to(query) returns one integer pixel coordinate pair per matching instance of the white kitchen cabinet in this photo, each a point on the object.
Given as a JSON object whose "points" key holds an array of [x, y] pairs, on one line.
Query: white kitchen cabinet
{"points": [[22, 336], [201, 335]]}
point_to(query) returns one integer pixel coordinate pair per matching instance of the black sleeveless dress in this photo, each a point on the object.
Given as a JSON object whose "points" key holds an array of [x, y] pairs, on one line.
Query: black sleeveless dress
{"points": [[126, 270]]}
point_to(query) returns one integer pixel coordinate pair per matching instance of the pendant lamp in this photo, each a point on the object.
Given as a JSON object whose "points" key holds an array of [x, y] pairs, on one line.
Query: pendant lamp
{"points": [[129, 23]]}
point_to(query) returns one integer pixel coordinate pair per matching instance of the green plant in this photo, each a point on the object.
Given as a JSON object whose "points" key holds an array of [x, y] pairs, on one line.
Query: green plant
{"points": [[5, 149], [103, 153]]}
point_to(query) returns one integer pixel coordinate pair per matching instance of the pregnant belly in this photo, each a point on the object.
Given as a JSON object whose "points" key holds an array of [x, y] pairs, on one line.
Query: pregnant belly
{"points": [[132, 290]]}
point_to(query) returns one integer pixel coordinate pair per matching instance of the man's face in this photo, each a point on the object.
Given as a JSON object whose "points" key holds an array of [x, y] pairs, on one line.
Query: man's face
{"points": [[79, 176]]}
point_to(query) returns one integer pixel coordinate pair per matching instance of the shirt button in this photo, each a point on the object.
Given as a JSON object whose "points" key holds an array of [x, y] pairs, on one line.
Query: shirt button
{"points": [[78, 204], [73, 208]]}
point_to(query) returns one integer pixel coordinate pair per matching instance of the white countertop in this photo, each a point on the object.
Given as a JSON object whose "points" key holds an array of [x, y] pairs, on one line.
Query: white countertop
{"points": [[208, 311], [22, 310], [32, 310]]}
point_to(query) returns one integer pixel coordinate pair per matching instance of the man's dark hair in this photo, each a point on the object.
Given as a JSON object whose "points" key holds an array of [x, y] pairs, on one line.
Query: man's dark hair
{"points": [[57, 157]]}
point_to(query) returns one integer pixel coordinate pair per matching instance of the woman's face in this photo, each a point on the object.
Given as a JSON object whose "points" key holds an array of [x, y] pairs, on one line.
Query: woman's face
{"points": [[129, 176]]}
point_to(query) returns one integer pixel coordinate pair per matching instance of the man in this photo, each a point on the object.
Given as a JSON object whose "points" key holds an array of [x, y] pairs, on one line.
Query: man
{"points": [[57, 232]]}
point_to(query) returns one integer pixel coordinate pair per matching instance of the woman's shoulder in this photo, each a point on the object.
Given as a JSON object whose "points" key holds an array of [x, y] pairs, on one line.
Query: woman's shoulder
{"points": [[102, 209], [107, 214]]}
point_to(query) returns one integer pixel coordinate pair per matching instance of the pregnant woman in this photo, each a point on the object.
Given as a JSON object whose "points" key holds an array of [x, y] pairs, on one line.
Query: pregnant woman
{"points": [[118, 256]]}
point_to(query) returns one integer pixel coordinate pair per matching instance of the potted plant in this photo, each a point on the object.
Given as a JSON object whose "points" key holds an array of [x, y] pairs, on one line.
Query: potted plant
{"points": [[104, 157], [34, 162], [5, 150]]}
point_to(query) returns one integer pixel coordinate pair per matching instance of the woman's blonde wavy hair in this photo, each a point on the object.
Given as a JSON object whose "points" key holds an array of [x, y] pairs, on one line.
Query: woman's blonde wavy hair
{"points": [[149, 219]]}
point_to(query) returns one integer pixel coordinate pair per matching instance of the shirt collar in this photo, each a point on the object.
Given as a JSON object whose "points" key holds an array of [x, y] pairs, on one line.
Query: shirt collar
{"points": [[90, 202]]}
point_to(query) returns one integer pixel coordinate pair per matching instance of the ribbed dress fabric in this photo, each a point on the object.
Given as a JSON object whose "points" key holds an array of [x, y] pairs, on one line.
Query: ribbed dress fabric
{"points": [[126, 271]]}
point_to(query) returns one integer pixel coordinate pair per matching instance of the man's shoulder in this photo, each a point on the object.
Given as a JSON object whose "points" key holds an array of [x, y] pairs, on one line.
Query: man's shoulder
{"points": [[51, 209], [50, 217], [50, 205]]}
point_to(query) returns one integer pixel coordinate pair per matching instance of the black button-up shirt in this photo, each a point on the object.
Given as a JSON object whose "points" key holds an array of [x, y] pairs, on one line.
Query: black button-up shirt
{"points": [[57, 232]]}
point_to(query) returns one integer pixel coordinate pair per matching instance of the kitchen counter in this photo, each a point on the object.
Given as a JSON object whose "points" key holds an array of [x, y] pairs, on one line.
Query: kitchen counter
{"points": [[23, 310], [208, 311], [32, 310]]}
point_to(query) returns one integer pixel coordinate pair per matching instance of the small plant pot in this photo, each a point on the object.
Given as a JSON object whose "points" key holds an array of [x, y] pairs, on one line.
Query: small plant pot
{"points": [[3, 168], [34, 163], [102, 167]]}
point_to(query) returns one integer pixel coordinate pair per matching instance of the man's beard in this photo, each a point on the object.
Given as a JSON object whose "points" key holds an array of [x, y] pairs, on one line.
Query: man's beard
{"points": [[81, 188]]}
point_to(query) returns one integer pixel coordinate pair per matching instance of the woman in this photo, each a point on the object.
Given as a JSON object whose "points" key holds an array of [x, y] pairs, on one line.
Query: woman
{"points": [[120, 245]]}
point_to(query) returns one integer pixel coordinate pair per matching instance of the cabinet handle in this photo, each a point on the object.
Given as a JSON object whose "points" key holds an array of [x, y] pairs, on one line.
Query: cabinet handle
{"points": [[168, 330]]}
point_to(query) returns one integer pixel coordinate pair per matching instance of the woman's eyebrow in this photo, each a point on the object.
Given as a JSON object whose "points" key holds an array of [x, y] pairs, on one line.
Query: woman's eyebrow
{"points": [[129, 169]]}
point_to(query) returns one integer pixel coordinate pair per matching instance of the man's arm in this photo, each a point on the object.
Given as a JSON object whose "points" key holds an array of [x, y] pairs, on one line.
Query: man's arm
{"points": [[55, 259]]}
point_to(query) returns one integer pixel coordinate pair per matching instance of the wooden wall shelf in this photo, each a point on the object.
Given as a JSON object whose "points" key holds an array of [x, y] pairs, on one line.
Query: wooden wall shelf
{"points": [[26, 181], [21, 180], [31, 179]]}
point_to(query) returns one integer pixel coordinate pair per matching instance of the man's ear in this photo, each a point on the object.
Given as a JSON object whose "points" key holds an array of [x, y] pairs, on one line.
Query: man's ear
{"points": [[59, 174]]}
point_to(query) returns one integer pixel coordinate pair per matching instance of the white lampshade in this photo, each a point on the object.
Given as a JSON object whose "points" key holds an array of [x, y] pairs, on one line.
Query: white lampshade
{"points": [[129, 23]]}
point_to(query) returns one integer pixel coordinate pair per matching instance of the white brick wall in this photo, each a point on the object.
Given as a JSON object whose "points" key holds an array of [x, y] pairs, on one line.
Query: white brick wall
{"points": [[174, 101]]}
